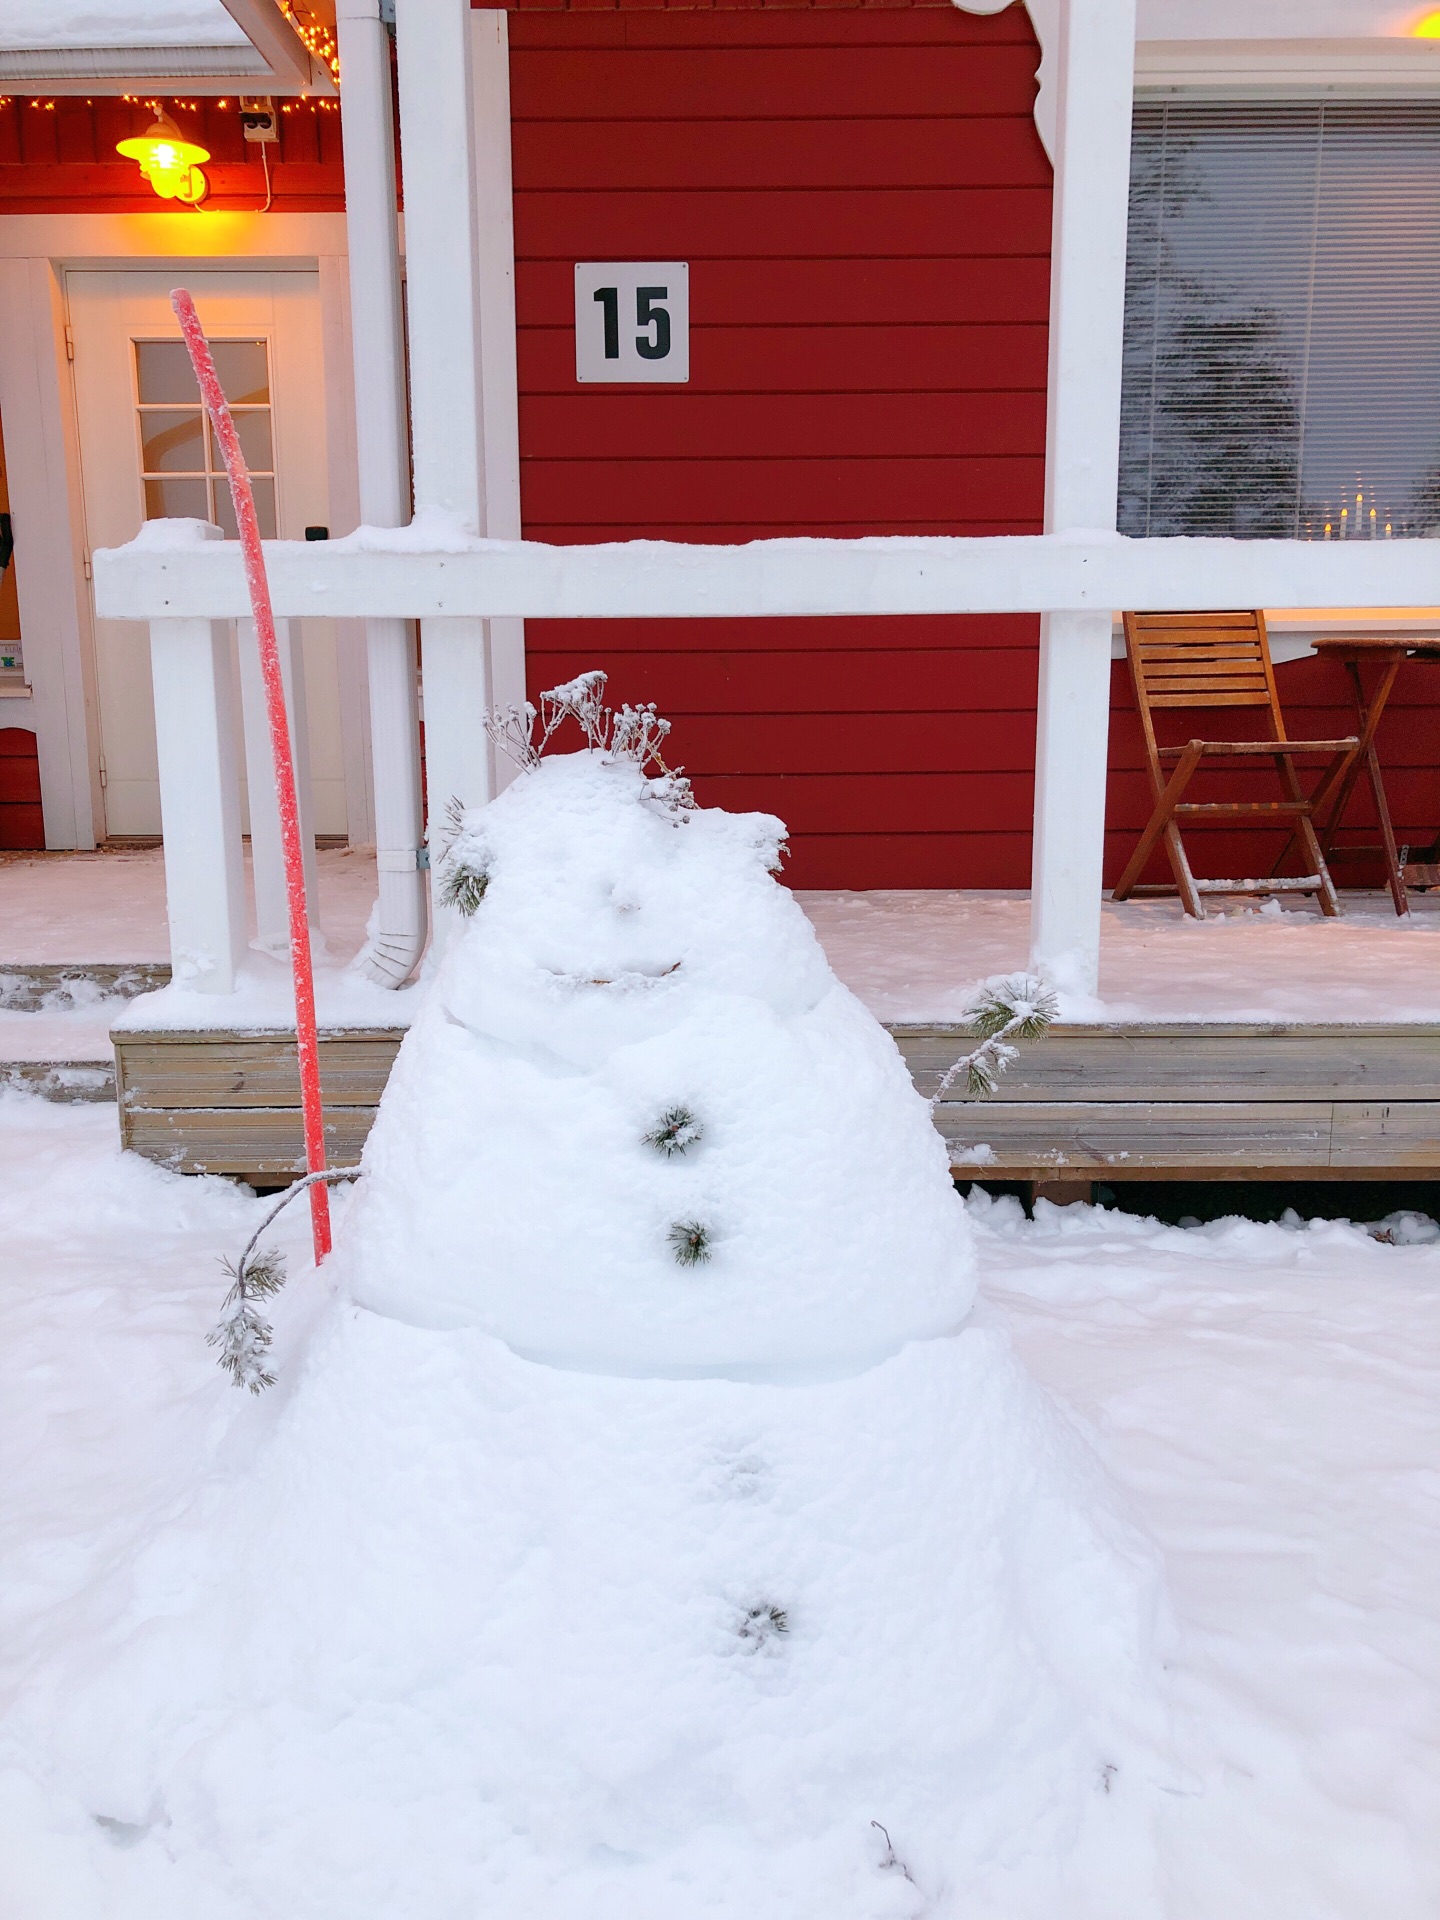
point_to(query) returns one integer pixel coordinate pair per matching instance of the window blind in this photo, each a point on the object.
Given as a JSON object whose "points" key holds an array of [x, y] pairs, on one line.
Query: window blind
{"points": [[1282, 321]]}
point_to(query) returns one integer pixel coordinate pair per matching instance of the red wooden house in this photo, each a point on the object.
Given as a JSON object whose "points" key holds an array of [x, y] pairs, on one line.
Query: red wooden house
{"points": [[863, 201]]}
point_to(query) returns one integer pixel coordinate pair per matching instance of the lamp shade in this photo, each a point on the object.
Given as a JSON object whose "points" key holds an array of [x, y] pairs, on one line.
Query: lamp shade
{"points": [[169, 161]]}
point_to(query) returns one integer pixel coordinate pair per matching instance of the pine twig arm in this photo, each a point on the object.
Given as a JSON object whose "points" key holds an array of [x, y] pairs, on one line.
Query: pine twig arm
{"points": [[242, 1333], [1015, 1007]]}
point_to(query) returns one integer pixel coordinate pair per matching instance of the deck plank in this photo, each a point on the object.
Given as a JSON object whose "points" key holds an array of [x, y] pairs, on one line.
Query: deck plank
{"points": [[1228, 1063], [241, 1071], [1101, 1136], [247, 1141]]}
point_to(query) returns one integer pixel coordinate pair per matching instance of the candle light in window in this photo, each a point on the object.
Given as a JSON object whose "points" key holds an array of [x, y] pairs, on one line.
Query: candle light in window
{"points": [[1387, 530], [1427, 27], [1344, 521], [1372, 523]]}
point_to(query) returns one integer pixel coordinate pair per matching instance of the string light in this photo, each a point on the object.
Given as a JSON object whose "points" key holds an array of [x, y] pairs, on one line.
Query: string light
{"points": [[318, 38]]}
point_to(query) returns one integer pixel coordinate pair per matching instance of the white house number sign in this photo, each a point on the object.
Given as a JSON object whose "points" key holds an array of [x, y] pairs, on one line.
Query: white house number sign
{"points": [[632, 321]]}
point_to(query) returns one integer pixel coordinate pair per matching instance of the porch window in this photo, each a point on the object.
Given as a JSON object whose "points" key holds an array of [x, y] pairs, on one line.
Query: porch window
{"points": [[1282, 323], [180, 464]]}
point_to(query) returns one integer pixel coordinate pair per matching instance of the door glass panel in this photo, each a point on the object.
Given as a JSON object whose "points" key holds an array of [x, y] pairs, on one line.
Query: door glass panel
{"points": [[224, 515], [172, 442], [244, 370], [178, 440], [177, 500], [163, 373], [253, 430]]}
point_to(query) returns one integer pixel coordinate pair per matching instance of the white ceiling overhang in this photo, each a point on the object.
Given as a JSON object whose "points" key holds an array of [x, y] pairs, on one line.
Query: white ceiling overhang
{"points": [[156, 46]]}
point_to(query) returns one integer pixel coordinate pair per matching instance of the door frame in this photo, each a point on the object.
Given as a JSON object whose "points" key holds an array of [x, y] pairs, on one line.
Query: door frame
{"points": [[37, 405]]}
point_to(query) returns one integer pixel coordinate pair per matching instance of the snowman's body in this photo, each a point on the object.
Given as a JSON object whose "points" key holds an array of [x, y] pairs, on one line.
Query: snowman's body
{"points": [[591, 1571]]}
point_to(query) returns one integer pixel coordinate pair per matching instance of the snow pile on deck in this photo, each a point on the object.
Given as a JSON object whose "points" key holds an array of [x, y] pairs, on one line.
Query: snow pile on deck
{"points": [[646, 1535]]}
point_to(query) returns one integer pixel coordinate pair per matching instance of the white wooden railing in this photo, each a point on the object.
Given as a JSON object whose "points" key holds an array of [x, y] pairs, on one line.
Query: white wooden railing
{"points": [[188, 592]]}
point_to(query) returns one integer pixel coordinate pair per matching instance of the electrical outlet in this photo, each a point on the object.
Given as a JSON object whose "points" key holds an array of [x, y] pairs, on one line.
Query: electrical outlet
{"points": [[257, 120]]}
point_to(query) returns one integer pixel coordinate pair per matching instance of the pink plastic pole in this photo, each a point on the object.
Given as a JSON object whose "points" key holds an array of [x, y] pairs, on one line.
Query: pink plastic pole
{"points": [[306, 1039]]}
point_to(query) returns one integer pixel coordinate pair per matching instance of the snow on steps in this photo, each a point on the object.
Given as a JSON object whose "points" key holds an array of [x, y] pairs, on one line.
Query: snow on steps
{"points": [[1116, 1101], [55, 992]]}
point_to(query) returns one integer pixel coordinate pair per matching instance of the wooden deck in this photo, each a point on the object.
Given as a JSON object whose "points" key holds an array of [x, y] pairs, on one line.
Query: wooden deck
{"points": [[1129, 1101]]}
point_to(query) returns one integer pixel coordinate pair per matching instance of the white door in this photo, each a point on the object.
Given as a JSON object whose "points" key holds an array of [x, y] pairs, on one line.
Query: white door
{"points": [[146, 452]]}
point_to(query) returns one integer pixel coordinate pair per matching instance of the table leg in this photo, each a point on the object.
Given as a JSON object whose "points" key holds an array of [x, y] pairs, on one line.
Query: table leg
{"points": [[1368, 715]]}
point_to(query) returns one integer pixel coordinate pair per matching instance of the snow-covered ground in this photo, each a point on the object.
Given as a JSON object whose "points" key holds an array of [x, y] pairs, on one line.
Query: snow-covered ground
{"points": [[1265, 1395], [908, 955]]}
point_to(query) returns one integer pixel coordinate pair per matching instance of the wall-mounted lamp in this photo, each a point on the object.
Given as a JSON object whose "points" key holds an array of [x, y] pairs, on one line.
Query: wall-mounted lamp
{"points": [[169, 161]]}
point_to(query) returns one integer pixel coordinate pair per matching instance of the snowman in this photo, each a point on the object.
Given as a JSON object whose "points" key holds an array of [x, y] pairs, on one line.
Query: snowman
{"points": [[648, 1530]]}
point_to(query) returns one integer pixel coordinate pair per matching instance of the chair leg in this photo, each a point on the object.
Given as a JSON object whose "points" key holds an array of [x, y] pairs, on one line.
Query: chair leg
{"points": [[1305, 831], [1161, 821], [1184, 878], [1329, 901]]}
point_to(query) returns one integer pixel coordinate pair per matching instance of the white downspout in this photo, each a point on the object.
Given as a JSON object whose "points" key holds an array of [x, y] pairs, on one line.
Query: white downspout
{"points": [[377, 334]]}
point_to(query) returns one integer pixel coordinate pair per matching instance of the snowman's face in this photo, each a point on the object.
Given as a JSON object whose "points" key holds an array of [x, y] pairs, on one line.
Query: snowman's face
{"points": [[608, 911]]}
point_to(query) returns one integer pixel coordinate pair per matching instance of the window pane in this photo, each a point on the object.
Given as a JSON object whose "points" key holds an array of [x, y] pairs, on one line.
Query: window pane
{"points": [[176, 500], [244, 371], [172, 443], [264, 491], [163, 373], [253, 430], [1282, 330]]}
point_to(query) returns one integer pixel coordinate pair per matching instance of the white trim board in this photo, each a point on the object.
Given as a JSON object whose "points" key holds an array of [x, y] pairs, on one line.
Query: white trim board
{"points": [[1275, 69], [264, 242]]}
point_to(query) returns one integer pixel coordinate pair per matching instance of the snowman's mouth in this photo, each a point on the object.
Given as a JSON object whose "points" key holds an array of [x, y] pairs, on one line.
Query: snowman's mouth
{"points": [[625, 980]]}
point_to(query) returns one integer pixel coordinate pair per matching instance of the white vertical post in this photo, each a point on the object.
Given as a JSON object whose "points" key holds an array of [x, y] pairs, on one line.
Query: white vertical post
{"points": [[199, 800], [1095, 99], [267, 855], [437, 133], [383, 463]]}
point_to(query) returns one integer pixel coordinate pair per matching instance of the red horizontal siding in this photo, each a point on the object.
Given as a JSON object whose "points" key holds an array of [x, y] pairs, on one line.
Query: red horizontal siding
{"points": [[865, 208], [637, 425], [997, 290], [22, 824], [805, 82], [715, 155], [719, 498], [952, 681], [780, 223], [904, 359], [58, 156]]}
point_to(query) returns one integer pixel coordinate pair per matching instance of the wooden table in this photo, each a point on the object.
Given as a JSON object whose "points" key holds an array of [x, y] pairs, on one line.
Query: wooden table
{"points": [[1386, 652]]}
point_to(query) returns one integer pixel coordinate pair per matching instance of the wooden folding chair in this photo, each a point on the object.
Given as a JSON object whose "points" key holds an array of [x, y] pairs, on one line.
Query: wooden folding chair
{"points": [[1186, 660]]}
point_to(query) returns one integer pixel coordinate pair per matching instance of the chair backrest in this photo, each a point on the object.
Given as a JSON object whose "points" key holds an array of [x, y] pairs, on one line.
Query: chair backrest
{"points": [[1201, 660]]}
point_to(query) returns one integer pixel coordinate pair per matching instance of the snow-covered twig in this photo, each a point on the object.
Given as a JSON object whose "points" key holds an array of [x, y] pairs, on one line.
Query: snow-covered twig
{"points": [[1015, 1006], [463, 868], [243, 1335]]}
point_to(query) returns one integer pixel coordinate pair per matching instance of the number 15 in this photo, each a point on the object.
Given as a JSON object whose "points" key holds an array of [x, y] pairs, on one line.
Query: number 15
{"points": [[647, 314]]}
